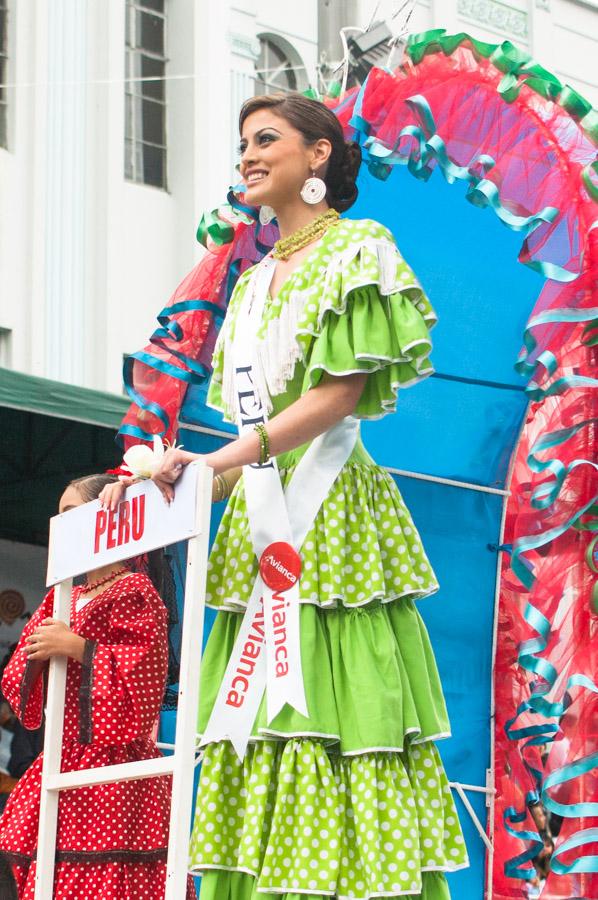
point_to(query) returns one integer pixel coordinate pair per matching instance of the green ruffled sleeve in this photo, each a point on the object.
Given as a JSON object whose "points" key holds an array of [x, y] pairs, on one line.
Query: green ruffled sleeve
{"points": [[373, 317]]}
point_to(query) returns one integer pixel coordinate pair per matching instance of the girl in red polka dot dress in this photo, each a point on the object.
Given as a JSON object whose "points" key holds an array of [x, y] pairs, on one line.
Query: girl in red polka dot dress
{"points": [[112, 839]]}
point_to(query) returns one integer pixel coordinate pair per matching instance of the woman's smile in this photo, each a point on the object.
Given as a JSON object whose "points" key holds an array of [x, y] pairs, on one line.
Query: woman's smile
{"points": [[255, 175]]}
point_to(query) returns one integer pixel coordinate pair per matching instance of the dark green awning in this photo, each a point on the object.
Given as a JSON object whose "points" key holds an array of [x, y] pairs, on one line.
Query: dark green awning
{"points": [[50, 433], [66, 401]]}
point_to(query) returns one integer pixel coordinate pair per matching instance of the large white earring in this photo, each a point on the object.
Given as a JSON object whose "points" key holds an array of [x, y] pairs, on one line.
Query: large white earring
{"points": [[313, 190], [266, 215]]}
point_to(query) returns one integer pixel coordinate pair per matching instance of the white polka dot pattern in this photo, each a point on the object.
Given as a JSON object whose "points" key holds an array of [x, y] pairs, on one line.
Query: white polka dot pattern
{"points": [[112, 702], [363, 546], [362, 812], [299, 819]]}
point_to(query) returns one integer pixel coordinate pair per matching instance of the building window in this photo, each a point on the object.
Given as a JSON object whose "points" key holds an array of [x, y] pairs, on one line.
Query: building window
{"points": [[278, 67], [145, 101], [5, 348], [3, 73]]}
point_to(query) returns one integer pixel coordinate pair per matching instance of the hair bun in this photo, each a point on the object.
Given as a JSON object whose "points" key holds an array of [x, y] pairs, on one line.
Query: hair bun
{"points": [[342, 187]]}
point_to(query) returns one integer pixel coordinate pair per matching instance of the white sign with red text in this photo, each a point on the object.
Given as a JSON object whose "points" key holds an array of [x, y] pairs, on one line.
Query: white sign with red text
{"points": [[87, 537]]}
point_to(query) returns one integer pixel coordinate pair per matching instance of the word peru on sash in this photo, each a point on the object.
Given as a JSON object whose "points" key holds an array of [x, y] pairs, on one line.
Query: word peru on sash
{"points": [[250, 413]]}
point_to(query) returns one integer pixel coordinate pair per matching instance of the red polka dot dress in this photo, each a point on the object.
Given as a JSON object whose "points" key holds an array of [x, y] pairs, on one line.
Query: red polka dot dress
{"points": [[112, 839]]}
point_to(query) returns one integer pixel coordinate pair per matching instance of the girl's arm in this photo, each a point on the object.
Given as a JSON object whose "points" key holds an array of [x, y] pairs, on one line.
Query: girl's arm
{"points": [[23, 678], [312, 414], [53, 638], [124, 672]]}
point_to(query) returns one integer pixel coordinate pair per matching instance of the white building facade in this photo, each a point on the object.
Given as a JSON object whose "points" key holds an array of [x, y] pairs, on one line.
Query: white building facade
{"points": [[103, 176]]}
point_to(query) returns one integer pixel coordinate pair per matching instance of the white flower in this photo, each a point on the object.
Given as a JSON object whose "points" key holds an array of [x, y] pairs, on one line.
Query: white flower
{"points": [[142, 460]]}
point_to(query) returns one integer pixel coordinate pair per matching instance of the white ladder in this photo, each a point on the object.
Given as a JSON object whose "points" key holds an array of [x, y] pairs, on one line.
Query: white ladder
{"points": [[181, 763]]}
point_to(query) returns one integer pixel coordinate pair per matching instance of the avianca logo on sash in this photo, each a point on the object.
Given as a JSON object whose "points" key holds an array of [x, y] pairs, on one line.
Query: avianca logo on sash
{"points": [[120, 526], [271, 560], [280, 566], [246, 666], [279, 621]]}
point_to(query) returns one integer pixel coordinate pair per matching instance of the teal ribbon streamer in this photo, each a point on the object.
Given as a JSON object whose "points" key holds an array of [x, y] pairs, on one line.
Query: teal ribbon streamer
{"points": [[582, 864], [546, 494], [529, 659], [524, 569], [195, 373], [147, 405], [527, 363], [427, 148], [566, 383], [567, 773], [514, 867], [171, 330]]}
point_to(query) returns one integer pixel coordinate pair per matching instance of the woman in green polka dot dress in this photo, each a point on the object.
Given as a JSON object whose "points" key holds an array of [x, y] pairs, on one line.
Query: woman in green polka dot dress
{"points": [[350, 801]]}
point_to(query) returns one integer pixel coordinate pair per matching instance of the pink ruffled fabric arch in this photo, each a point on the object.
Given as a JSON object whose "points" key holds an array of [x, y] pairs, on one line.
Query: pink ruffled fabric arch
{"points": [[526, 150]]}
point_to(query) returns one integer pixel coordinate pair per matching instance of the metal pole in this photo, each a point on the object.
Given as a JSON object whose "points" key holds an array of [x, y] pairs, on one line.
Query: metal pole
{"points": [[332, 16]]}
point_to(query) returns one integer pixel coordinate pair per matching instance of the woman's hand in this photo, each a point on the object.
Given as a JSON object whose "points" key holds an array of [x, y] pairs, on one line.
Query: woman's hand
{"points": [[54, 638], [312, 414], [112, 494], [169, 470]]}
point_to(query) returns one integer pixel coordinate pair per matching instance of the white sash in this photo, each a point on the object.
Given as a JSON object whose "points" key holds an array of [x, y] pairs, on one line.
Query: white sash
{"points": [[271, 619]]}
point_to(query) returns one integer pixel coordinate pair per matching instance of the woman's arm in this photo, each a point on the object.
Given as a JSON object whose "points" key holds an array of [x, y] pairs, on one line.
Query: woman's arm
{"points": [[312, 414], [113, 493], [231, 476]]}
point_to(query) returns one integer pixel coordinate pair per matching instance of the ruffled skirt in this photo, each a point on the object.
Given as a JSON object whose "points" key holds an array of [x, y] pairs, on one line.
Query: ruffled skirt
{"points": [[112, 839], [352, 801]]}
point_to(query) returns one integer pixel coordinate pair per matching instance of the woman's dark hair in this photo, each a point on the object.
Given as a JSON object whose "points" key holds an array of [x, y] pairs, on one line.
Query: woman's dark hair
{"points": [[158, 567], [315, 121]]}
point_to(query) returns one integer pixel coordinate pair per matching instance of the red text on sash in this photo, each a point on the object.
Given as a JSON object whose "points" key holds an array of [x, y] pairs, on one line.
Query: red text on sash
{"points": [[252, 648]]}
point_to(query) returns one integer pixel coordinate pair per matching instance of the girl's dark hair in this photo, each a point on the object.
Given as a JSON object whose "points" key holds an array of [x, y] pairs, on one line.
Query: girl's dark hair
{"points": [[314, 120], [91, 486], [158, 567]]}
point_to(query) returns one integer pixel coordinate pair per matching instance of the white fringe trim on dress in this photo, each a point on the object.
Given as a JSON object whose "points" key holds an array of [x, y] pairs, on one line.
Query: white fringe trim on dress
{"points": [[279, 350]]}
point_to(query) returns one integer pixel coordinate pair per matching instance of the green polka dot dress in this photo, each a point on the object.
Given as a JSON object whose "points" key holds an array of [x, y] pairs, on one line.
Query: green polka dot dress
{"points": [[351, 802]]}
